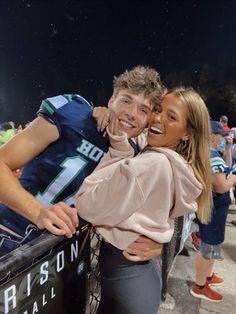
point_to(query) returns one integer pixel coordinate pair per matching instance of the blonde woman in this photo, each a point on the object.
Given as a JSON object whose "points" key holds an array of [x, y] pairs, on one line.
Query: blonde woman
{"points": [[126, 196]]}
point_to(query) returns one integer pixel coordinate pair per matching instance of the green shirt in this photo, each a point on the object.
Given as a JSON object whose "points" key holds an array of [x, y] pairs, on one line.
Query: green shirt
{"points": [[5, 136]]}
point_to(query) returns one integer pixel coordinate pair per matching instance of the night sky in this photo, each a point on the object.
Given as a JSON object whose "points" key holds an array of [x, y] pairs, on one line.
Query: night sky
{"points": [[53, 47]]}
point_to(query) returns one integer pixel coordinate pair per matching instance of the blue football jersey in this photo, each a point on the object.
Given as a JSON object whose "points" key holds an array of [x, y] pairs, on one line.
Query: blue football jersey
{"points": [[218, 164], [57, 173]]}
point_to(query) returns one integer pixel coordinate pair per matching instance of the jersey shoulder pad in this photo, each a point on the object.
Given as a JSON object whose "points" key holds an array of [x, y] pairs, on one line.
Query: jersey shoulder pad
{"points": [[53, 103], [57, 103]]}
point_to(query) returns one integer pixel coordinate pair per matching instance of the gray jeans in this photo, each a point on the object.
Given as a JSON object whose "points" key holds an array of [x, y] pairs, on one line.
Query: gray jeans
{"points": [[127, 287]]}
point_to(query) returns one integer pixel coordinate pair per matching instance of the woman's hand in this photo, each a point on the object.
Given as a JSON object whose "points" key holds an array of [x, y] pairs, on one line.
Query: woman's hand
{"points": [[102, 116], [143, 249], [113, 125]]}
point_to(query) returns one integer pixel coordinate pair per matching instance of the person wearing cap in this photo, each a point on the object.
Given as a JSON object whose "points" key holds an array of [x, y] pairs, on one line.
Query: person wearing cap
{"points": [[224, 145], [212, 234]]}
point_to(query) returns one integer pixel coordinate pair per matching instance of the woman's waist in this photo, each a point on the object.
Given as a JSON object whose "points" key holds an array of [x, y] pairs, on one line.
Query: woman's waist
{"points": [[114, 256]]}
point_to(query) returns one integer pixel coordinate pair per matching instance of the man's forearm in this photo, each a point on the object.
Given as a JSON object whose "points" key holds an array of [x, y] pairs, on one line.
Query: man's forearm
{"points": [[16, 197]]}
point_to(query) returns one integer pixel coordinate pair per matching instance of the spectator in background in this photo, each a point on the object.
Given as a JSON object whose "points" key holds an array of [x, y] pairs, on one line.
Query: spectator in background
{"points": [[19, 128], [7, 131], [195, 237], [233, 130], [224, 122], [212, 234]]}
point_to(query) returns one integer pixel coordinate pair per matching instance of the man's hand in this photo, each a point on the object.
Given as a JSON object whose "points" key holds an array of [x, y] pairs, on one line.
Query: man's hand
{"points": [[143, 249], [101, 115], [59, 219]]}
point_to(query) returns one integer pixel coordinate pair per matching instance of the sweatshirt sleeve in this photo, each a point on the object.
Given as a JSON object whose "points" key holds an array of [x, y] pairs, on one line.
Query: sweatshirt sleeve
{"points": [[112, 194]]}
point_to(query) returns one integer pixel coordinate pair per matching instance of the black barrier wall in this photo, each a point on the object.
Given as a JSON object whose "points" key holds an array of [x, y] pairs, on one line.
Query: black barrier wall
{"points": [[51, 274], [47, 275]]}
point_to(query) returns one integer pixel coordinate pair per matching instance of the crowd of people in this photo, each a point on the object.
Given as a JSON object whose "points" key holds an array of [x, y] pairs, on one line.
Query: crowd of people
{"points": [[131, 168]]}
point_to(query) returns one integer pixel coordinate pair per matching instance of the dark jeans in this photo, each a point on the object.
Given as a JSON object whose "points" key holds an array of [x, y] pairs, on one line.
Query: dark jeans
{"points": [[127, 287]]}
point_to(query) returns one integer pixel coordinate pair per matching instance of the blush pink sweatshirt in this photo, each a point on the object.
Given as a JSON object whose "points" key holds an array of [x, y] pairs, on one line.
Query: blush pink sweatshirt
{"points": [[127, 196]]}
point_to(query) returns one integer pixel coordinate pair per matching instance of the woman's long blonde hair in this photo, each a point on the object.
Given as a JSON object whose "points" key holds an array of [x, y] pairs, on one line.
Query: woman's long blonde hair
{"points": [[197, 150]]}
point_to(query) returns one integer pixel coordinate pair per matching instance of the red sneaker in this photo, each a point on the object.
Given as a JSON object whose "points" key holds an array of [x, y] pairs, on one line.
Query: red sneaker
{"points": [[196, 241], [206, 293], [215, 281]]}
